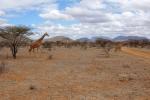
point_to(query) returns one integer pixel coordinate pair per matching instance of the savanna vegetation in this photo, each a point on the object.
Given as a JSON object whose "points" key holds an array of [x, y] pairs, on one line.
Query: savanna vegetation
{"points": [[72, 70]]}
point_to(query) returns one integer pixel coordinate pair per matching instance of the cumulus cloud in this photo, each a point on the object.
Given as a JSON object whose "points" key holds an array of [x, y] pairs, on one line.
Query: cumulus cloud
{"points": [[104, 17], [94, 17], [87, 15], [88, 11], [55, 15], [134, 5], [91, 4]]}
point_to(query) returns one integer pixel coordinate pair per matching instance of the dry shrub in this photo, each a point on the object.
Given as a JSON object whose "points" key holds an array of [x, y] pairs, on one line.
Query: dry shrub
{"points": [[84, 45], [32, 87], [125, 78], [50, 57], [118, 47], [47, 45], [107, 49], [126, 66]]}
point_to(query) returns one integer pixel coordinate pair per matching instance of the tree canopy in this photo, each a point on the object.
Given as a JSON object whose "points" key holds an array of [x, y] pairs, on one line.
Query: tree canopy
{"points": [[15, 35]]}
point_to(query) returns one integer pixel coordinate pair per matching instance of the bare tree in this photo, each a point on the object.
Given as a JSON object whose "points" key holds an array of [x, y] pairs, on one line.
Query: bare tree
{"points": [[107, 48], [14, 36], [106, 45]]}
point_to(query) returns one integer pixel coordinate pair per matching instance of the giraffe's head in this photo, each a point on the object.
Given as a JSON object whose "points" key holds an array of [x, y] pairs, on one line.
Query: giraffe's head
{"points": [[46, 34]]}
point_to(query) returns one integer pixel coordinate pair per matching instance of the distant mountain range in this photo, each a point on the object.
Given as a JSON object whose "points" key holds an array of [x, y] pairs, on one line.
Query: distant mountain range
{"points": [[84, 39], [93, 39], [100, 37], [59, 38], [118, 38], [125, 38]]}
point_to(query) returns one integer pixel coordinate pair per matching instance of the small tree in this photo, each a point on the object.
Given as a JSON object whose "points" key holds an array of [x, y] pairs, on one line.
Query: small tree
{"points": [[106, 45], [14, 36]]}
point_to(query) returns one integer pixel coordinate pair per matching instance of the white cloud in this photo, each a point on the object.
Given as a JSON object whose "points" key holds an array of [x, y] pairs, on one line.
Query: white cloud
{"points": [[134, 5], [91, 4], [23, 4], [88, 11], [3, 22], [110, 29], [55, 15], [87, 15], [95, 17], [2, 13]]}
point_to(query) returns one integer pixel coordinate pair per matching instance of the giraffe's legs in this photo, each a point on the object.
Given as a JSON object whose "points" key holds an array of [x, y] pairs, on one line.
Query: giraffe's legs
{"points": [[37, 49]]}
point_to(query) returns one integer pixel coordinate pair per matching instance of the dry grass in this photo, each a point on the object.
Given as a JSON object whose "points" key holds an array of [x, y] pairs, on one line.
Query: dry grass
{"points": [[75, 74], [136, 52]]}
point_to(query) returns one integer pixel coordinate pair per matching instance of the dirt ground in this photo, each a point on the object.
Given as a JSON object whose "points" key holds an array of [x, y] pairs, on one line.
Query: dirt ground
{"points": [[137, 52], [76, 74]]}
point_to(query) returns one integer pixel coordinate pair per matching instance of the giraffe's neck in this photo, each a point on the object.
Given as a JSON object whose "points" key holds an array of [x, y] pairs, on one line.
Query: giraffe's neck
{"points": [[42, 38]]}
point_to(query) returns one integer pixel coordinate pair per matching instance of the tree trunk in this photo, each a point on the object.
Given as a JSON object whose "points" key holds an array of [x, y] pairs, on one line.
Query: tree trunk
{"points": [[14, 51]]}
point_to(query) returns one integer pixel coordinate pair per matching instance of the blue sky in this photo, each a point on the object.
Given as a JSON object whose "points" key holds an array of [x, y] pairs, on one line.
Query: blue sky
{"points": [[30, 17], [79, 18]]}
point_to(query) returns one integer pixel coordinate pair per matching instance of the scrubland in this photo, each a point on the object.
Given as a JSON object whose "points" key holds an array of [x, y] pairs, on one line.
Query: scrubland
{"points": [[75, 74]]}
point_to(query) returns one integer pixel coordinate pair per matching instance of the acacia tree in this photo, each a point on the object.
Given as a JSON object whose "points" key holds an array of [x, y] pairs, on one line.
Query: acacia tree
{"points": [[106, 45], [14, 36]]}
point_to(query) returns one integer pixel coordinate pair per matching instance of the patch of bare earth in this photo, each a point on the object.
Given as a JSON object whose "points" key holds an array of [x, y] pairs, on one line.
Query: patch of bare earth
{"points": [[75, 74], [137, 52]]}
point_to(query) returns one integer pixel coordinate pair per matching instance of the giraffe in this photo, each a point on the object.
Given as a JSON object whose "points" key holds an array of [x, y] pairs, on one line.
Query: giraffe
{"points": [[37, 43]]}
